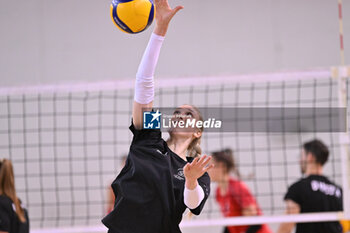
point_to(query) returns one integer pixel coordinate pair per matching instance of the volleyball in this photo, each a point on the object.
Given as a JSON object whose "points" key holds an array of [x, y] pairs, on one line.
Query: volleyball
{"points": [[132, 16]]}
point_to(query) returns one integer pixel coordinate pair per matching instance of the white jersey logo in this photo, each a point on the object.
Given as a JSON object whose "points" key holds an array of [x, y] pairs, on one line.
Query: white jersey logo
{"points": [[180, 174], [165, 154], [327, 189]]}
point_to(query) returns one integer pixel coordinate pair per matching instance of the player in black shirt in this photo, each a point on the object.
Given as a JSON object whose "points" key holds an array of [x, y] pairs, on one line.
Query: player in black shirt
{"points": [[13, 217], [160, 178], [314, 192]]}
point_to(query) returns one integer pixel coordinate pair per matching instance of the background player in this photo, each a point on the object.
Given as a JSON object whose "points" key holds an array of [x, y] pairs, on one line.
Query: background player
{"points": [[233, 195], [13, 217], [314, 193]]}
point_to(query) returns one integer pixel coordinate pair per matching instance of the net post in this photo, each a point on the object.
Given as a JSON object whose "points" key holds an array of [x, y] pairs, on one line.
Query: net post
{"points": [[342, 73]]}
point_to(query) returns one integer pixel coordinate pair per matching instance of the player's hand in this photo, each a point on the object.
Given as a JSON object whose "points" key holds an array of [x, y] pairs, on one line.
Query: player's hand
{"points": [[164, 14], [197, 168]]}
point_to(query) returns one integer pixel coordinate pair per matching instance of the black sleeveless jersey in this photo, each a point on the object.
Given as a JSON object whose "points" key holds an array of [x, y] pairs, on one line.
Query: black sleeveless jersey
{"points": [[149, 189], [316, 193]]}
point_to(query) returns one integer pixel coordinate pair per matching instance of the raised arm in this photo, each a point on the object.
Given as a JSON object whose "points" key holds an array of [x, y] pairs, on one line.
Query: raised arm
{"points": [[144, 86]]}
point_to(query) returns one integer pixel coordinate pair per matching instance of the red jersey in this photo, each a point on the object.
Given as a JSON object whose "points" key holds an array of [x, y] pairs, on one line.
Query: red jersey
{"points": [[237, 198]]}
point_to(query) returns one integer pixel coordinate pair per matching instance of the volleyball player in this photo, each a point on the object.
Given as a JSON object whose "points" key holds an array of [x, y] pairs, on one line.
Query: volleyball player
{"points": [[232, 195], [313, 193], [13, 217], [160, 178]]}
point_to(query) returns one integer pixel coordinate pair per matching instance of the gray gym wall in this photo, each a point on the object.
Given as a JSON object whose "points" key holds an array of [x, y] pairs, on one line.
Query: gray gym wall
{"points": [[45, 41]]}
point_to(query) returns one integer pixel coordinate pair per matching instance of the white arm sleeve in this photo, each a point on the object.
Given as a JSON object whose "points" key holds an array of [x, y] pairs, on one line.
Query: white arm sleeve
{"points": [[144, 87], [192, 198]]}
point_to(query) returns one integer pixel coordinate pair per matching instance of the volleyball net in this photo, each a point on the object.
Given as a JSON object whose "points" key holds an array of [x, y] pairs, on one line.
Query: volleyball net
{"points": [[68, 142]]}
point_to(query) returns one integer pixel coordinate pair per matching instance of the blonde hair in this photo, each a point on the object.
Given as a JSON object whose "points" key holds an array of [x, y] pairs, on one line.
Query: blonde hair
{"points": [[194, 149], [7, 187]]}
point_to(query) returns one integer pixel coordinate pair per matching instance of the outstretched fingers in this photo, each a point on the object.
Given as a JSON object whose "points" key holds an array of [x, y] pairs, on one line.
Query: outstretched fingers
{"points": [[176, 9], [207, 168], [205, 160], [201, 159], [164, 14], [202, 162], [195, 161], [165, 3]]}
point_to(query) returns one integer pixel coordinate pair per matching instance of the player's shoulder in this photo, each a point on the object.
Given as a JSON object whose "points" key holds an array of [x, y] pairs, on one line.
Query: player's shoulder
{"points": [[238, 186], [296, 190], [6, 204], [309, 181], [320, 182], [300, 183], [331, 182], [237, 183], [320, 178], [5, 200]]}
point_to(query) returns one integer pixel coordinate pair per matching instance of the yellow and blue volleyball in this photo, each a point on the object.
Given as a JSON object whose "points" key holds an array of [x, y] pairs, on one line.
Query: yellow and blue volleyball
{"points": [[132, 16]]}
